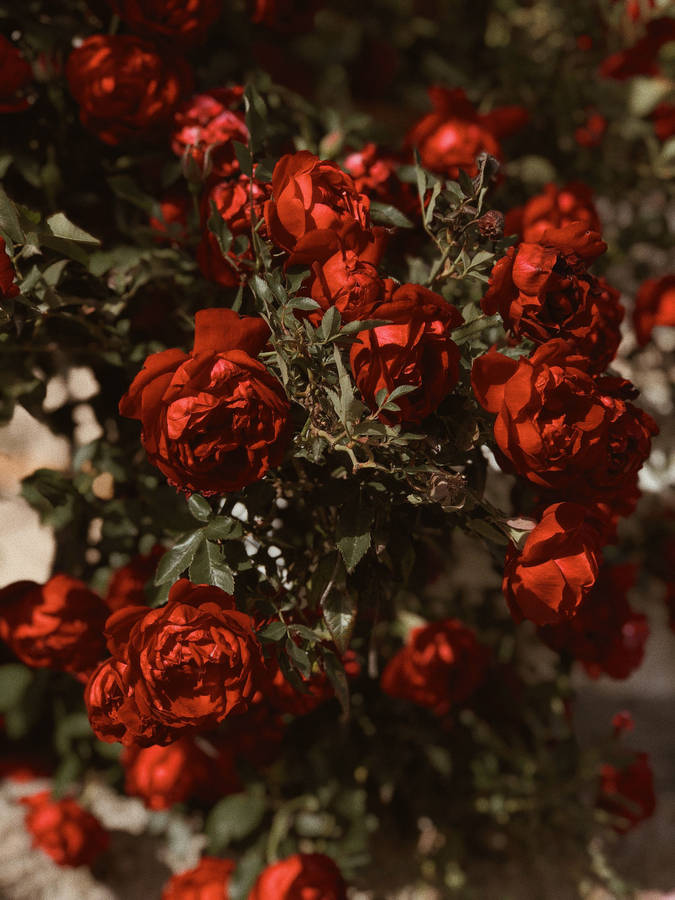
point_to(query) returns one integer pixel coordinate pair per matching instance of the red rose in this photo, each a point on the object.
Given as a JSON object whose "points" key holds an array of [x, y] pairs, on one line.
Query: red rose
{"points": [[605, 635], [641, 58], [663, 117], [127, 585], [416, 349], [441, 665], [549, 579], [375, 174], [15, 73], [314, 206], [345, 281], [208, 123], [184, 21], [592, 131], [233, 203], [104, 695], [554, 207], [543, 291], [654, 305], [171, 222], [628, 792], [303, 876], [58, 624], [454, 134], [126, 88], [216, 419], [207, 881], [189, 665], [561, 428], [63, 830], [162, 776], [7, 274]]}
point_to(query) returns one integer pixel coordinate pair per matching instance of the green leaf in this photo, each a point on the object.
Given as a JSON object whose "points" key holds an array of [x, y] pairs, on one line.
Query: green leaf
{"points": [[365, 325], [61, 227], [386, 214], [339, 614], [303, 303], [126, 189], [346, 387], [9, 219], [244, 158], [338, 678], [330, 323], [275, 631], [353, 533], [224, 528], [262, 290], [467, 332], [256, 113], [14, 681], [209, 567], [299, 658], [199, 507], [179, 558], [218, 227], [234, 818]]}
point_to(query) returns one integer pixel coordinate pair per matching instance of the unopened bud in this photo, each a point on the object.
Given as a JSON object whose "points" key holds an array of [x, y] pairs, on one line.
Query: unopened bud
{"points": [[491, 225]]}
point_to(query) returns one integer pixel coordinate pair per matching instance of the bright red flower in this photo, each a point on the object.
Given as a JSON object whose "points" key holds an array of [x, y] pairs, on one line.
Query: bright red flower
{"points": [[561, 428], [57, 625], [126, 88], [315, 207], [550, 578], [303, 876], [345, 281], [182, 21], [63, 830], [454, 134], [162, 776], [375, 174], [7, 274], [605, 635], [543, 291], [415, 349], [208, 124], [554, 207], [207, 881], [628, 792], [440, 666], [127, 585], [654, 306], [216, 419], [15, 73], [104, 695]]}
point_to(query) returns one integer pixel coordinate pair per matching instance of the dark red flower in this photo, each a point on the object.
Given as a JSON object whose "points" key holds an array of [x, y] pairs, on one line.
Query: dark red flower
{"points": [[104, 695], [126, 88], [206, 125], [654, 306], [171, 223], [605, 634], [303, 876], [591, 133], [543, 291], [415, 349], [216, 419], [663, 117], [182, 21], [7, 274], [641, 58], [554, 207], [440, 666], [561, 428], [207, 881], [127, 585], [15, 73], [345, 281], [551, 577], [454, 134], [58, 624], [375, 174], [628, 792], [63, 830]]}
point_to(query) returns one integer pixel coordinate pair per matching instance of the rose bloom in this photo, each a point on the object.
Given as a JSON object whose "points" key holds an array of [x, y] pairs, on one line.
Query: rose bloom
{"points": [[375, 174], [415, 349], [126, 88], [214, 420], [303, 876], [207, 881], [105, 694], [561, 428], [182, 21], [345, 281], [63, 830], [127, 585], [58, 624], [441, 665], [162, 776], [591, 133], [232, 201], [15, 73], [188, 665], [314, 206], [7, 274], [628, 792], [454, 134], [543, 291], [554, 207], [605, 635], [654, 306], [641, 58], [209, 122], [550, 578]]}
